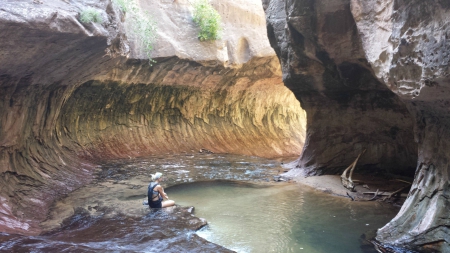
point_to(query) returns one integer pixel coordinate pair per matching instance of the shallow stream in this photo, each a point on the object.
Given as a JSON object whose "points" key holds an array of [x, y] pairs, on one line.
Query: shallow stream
{"points": [[280, 218], [246, 210]]}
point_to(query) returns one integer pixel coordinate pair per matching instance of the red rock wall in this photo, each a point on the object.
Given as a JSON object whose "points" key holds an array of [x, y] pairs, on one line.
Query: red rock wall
{"points": [[240, 112], [70, 96]]}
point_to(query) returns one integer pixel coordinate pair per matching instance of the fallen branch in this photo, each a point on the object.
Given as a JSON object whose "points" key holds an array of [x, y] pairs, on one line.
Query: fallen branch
{"points": [[374, 196], [395, 193], [385, 194], [378, 193], [348, 182], [403, 181]]}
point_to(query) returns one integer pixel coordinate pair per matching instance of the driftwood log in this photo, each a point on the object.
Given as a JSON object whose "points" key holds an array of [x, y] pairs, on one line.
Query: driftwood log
{"points": [[403, 195], [391, 194], [347, 182]]}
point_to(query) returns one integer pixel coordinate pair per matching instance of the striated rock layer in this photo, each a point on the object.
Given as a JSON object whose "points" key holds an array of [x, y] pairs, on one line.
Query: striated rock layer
{"points": [[72, 93], [376, 72], [184, 107]]}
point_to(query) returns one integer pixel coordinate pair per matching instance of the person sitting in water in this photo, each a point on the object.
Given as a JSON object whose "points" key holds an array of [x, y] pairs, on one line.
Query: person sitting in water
{"points": [[156, 193]]}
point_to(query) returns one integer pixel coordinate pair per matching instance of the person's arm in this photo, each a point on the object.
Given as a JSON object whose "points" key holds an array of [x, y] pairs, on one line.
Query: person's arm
{"points": [[161, 191]]}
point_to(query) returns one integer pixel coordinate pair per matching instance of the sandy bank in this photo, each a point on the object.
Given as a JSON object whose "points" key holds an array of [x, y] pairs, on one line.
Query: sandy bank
{"points": [[367, 183]]}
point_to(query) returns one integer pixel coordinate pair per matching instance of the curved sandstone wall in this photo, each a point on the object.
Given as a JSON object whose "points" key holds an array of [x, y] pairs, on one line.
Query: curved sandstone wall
{"points": [[237, 112], [73, 93]]}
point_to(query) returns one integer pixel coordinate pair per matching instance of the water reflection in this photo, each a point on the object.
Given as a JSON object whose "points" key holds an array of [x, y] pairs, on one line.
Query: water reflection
{"points": [[108, 216], [280, 218]]}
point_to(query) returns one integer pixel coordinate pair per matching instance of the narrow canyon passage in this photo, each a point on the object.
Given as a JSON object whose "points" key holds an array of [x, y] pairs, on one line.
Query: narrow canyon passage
{"points": [[319, 81]]}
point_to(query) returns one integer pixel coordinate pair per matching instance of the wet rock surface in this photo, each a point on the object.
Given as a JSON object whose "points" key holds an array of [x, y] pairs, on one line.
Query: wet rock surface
{"points": [[169, 230], [121, 186], [108, 214]]}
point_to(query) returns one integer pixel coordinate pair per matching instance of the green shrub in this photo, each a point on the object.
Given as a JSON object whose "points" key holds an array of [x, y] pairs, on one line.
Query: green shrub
{"points": [[122, 4], [142, 24], [208, 19], [91, 15]]}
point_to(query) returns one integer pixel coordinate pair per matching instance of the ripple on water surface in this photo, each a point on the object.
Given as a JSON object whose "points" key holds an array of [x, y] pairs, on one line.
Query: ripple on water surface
{"points": [[281, 218], [246, 217]]}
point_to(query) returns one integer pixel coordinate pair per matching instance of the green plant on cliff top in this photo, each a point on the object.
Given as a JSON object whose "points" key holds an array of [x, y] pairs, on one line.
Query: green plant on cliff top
{"points": [[208, 19], [91, 15], [143, 25]]}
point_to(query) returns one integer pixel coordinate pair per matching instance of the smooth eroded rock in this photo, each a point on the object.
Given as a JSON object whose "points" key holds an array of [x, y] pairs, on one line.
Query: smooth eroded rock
{"points": [[407, 46], [73, 92]]}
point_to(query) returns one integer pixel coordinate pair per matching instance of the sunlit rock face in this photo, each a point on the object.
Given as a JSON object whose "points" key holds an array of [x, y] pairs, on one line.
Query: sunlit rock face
{"points": [[224, 111], [348, 109], [72, 93], [407, 44]]}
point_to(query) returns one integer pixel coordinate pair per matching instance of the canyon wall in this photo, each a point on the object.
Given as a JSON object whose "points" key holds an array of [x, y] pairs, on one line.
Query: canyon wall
{"points": [[376, 72], [348, 109], [407, 44], [74, 93]]}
